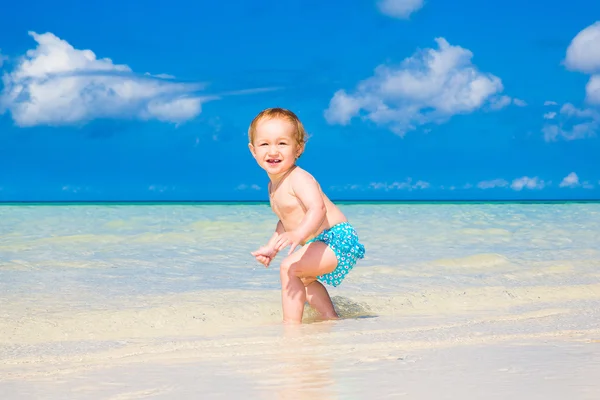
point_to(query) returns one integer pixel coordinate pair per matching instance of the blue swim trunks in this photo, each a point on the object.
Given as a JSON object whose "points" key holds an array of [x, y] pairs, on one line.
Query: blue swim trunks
{"points": [[343, 240]]}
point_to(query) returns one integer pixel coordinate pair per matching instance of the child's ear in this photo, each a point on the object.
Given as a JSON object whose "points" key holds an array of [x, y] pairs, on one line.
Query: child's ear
{"points": [[300, 151], [251, 149]]}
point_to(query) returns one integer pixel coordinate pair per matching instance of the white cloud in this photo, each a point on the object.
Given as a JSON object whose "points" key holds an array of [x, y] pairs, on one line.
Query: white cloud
{"points": [[429, 87], [175, 110], [56, 84], [592, 89], [499, 102], [579, 131], [571, 180], [406, 185], [160, 76], [583, 53], [496, 183], [526, 182], [399, 8], [348, 186], [549, 115], [342, 108], [572, 111], [243, 186], [572, 123], [550, 103]]}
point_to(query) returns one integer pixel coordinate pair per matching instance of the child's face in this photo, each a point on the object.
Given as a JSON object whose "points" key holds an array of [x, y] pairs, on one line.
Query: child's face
{"points": [[274, 147]]}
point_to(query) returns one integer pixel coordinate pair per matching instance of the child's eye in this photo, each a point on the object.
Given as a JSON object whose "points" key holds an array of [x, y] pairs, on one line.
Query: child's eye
{"points": [[283, 143]]}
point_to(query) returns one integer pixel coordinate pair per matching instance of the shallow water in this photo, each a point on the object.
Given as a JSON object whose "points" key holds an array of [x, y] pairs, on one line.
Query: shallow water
{"points": [[87, 290]]}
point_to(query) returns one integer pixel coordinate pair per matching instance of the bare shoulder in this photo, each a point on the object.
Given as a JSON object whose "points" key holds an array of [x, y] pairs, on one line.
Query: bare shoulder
{"points": [[306, 188], [302, 177]]}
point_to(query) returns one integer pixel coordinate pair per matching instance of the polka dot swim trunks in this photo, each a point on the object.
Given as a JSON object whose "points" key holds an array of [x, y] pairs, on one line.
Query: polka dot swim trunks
{"points": [[343, 240]]}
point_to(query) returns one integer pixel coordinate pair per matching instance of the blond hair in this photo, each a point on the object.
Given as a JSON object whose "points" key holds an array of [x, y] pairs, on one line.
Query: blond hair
{"points": [[300, 135]]}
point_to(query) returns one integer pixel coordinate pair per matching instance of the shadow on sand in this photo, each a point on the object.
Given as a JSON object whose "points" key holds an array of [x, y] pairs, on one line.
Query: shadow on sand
{"points": [[345, 307]]}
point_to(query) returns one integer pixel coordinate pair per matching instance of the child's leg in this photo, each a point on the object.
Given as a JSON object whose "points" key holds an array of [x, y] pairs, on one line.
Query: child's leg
{"points": [[318, 298], [311, 260]]}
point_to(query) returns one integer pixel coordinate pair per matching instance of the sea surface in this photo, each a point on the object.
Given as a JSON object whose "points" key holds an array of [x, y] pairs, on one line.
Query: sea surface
{"points": [[91, 292]]}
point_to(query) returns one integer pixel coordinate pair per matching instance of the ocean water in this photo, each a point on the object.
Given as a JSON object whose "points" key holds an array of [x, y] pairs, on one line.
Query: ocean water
{"points": [[88, 288]]}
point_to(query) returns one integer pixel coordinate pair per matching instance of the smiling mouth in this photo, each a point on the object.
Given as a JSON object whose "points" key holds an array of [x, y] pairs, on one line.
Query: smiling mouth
{"points": [[273, 161]]}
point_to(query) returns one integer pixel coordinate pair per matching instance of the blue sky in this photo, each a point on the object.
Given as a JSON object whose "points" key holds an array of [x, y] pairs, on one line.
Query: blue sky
{"points": [[403, 99]]}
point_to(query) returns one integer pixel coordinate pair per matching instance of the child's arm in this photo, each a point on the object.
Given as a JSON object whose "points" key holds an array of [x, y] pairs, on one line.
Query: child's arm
{"points": [[279, 230], [267, 253], [307, 190]]}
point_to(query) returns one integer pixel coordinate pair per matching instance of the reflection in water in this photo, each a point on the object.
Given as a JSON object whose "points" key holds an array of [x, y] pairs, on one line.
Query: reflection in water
{"points": [[301, 365]]}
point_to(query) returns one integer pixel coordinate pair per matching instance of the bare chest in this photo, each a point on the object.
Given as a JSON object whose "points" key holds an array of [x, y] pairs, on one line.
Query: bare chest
{"points": [[285, 204]]}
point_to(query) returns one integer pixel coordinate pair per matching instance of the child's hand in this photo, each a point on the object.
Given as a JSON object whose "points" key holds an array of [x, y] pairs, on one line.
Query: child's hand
{"points": [[288, 238], [264, 260], [266, 251], [264, 255]]}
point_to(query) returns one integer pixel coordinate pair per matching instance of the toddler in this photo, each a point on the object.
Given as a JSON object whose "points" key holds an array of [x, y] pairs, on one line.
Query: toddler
{"points": [[307, 218]]}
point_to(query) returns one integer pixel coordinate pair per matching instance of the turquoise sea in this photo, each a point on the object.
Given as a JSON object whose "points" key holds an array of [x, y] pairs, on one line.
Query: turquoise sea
{"points": [[87, 288]]}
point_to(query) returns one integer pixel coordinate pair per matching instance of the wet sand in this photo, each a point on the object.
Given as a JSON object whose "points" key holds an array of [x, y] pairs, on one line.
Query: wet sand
{"points": [[448, 345]]}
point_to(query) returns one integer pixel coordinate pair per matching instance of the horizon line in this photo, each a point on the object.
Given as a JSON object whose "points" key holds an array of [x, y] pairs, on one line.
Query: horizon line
{"points": [[266, 202]]}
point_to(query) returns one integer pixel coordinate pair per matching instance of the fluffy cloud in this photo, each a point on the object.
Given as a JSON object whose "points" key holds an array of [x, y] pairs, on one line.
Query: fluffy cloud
{"points": [[550, 115], [571, 180], [499, 102], [583, 55], [572, 123], [592, 89], [518, 184], [399, 8], [406, 185], [526, 182], [429, 87], [550, 103], [496, 183], [57, 84]]}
